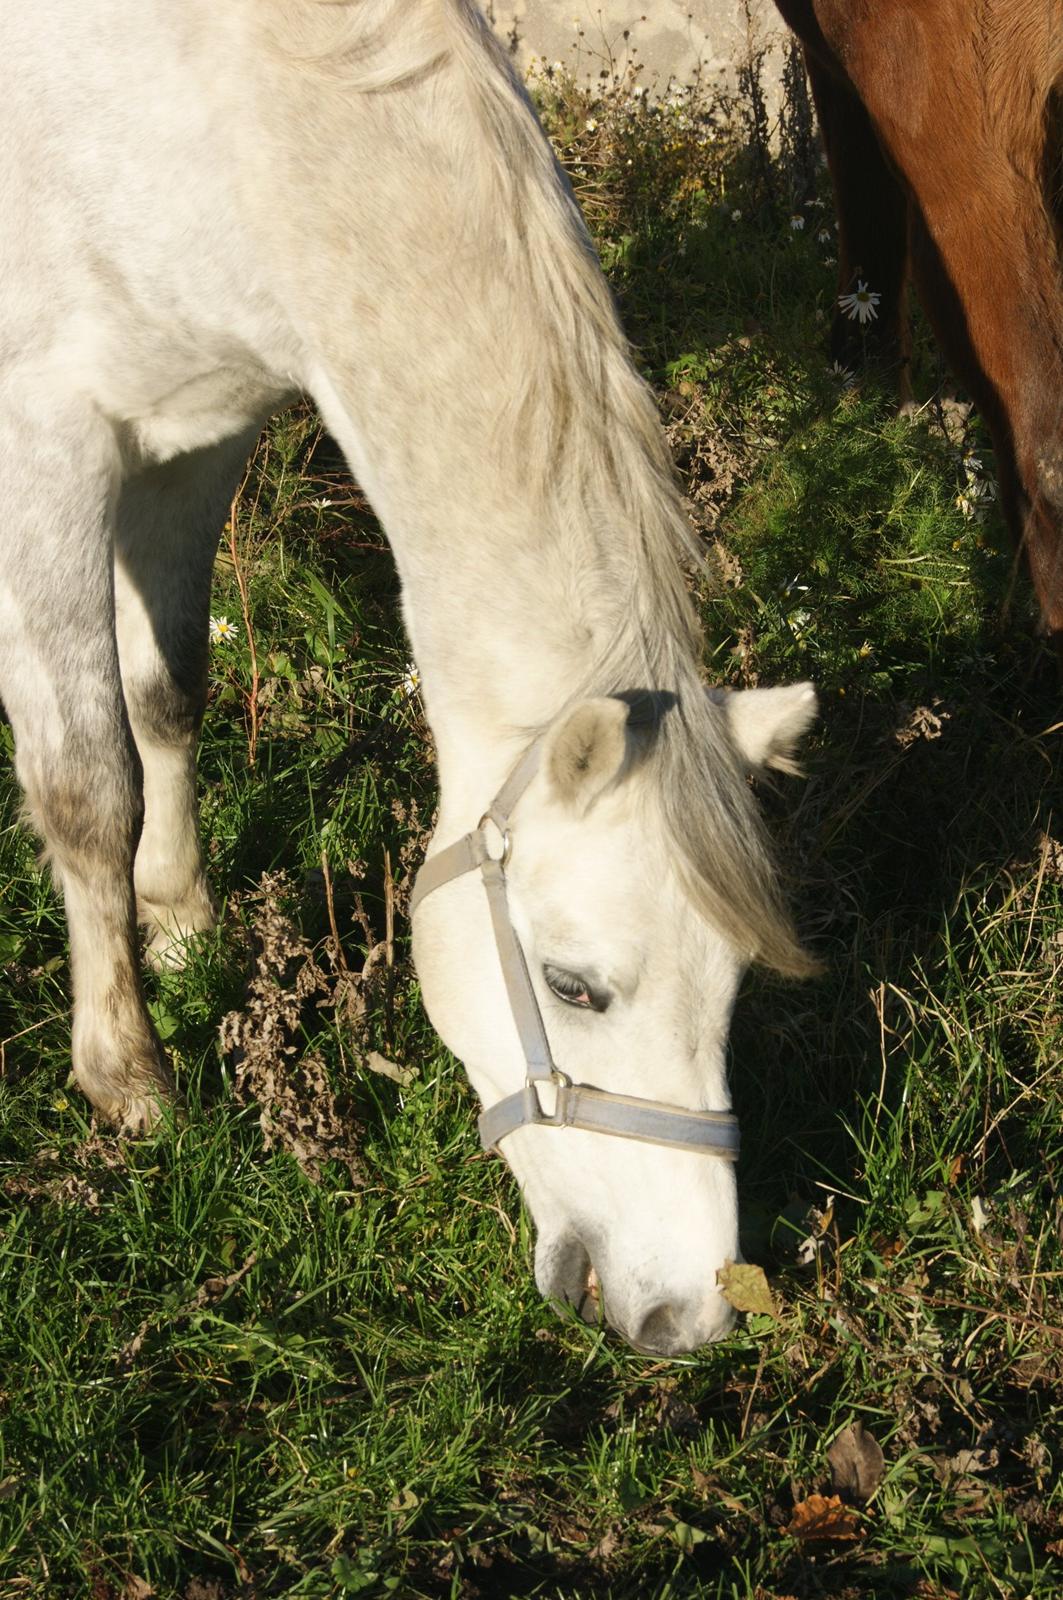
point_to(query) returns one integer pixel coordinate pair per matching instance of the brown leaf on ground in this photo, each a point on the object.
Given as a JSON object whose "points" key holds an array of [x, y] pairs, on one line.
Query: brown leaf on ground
{"points": [[823, 1517], [857, 1465], [297, 1109], [745, 1287], [965, 1462], [922, 722], [390, 1069]]}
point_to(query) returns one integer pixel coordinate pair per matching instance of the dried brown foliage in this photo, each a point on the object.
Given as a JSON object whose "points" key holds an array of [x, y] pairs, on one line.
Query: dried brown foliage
{"points": [[711, 457], [96, 1161], [298, 1110]]}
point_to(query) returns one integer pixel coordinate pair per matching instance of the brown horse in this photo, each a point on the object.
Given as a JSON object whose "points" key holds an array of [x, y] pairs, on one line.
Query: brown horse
{"points": [[942, 121]]}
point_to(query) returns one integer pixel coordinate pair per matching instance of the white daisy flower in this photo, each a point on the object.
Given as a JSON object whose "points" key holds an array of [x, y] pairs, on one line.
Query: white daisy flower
{"points": [[736, 215], [322, 504], [591, 124], [860, 305], [823, 236], [797, 222], [844, 375], [410, 682], [975, 497], [222, 631]]}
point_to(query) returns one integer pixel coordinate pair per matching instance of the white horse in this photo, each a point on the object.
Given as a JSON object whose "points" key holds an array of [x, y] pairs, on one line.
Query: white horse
{"points": [[204, 209]]}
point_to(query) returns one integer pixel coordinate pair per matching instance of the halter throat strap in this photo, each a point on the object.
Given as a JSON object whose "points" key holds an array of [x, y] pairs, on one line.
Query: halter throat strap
{"points": [[575, 1105]]}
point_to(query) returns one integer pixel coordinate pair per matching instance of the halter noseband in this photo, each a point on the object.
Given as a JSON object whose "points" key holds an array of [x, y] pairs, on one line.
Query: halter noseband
{"points": [[577, 1105]]}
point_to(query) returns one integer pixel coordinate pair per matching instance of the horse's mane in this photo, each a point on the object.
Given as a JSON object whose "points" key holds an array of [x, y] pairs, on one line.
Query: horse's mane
{"points": [[584, 435]]}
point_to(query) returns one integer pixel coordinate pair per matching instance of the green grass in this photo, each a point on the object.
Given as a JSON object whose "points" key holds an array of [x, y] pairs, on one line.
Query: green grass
{"points": [[219, 1378]]}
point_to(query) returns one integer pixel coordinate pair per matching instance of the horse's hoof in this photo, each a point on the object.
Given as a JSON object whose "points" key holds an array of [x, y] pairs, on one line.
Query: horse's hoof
{"points": [[142, 1114], [172, 928]]}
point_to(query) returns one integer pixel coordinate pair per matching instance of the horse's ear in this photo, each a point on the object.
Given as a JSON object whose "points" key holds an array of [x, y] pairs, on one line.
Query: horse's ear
{"points": [[585, 750], [767, 724]]}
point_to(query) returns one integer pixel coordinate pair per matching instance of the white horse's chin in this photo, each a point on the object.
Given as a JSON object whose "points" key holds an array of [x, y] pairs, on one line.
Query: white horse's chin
{"points": [[653, 1322], [564, 1275]]}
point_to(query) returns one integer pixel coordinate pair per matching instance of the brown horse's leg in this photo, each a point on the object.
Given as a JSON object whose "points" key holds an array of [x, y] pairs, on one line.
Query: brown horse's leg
{"points": [[1000, 325], [872, 211], [968, 134]]}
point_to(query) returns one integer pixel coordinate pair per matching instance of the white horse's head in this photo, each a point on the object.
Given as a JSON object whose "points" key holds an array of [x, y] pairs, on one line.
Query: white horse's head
{"points": [[639, 887]]}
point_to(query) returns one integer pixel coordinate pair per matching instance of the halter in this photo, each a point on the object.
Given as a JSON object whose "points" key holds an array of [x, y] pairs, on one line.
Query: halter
{"points": [[577, 1105]]}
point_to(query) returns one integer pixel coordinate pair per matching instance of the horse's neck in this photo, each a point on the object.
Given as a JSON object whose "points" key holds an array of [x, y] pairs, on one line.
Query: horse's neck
{"points": [[420, 384], [457, 339], [502, 631]]}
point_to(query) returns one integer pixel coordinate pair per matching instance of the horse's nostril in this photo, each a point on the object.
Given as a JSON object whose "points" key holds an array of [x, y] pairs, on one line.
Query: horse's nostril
{"points": [[674, 1329], [658, 1332]]}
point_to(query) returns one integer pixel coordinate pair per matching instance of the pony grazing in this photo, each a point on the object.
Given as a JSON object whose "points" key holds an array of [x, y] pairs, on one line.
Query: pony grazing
{"points": [[207, 209], [943, 132]]}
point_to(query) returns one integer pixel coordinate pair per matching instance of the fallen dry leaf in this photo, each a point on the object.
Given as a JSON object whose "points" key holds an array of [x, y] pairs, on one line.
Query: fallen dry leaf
{"points": [[824, 1517], [964, 1462], [745, 1287], [923, 722], [857, 1465], [390, 1069]]}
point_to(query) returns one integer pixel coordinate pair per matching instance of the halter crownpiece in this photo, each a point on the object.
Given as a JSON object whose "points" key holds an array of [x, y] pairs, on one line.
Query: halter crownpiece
{"points": [[576, 1105]]}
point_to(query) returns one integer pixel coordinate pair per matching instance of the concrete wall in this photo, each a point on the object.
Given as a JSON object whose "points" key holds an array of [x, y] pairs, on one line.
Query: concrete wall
{"points": [[667, 38]]}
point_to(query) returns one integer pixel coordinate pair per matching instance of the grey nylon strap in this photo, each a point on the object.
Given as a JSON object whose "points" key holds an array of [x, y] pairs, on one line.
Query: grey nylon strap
{"points": [[576, 1105], [626, 1116]]}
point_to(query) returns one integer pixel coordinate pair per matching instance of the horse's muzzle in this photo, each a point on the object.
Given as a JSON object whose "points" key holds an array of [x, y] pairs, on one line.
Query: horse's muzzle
{"points": [[651, 1321]]}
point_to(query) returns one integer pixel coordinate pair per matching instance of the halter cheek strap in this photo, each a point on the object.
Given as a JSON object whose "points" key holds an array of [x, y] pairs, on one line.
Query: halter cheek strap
{"points": [[576, 1105]]}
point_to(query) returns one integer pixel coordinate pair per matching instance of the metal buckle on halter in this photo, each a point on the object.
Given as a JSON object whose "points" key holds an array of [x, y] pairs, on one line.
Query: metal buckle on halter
{"points": [[564, 1100]]}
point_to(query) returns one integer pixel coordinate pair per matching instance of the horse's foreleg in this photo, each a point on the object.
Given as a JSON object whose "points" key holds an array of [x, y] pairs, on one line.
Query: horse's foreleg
{"points": [[169, 518], [872, 211], [986, 265], [74, 753], [963, 116]]}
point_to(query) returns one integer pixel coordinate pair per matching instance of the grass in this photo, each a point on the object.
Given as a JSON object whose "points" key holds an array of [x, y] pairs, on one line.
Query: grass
{"points": [[221, 1378]]}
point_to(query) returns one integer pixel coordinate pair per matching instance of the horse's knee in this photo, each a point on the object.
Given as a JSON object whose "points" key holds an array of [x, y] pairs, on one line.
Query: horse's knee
{"points": [[89, 815], [166, 709]]}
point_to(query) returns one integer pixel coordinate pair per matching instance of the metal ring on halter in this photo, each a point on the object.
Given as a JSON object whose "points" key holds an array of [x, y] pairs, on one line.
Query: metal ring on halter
{"points": [[506, 836]]}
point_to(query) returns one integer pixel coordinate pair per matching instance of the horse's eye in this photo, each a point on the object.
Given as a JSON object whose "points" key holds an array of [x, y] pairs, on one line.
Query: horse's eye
{"points": [[574, 990]]}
